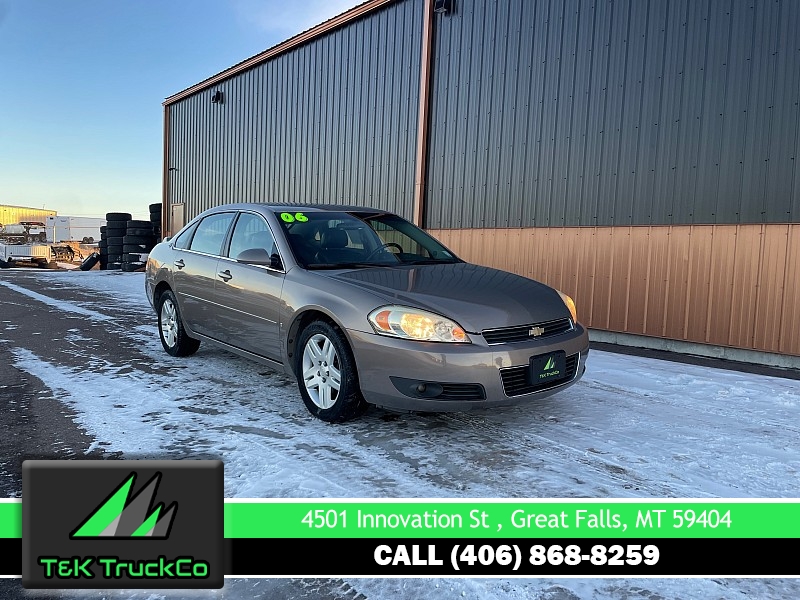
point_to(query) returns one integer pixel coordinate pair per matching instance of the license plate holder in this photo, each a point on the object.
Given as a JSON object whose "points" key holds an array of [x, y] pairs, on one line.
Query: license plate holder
{"points": [[545, 368]]}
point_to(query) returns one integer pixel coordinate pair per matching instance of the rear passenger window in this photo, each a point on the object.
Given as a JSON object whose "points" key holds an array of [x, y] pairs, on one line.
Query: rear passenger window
{"points": [[210, 233]]}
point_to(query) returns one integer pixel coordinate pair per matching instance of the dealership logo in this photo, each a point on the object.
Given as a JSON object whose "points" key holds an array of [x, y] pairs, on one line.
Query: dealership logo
{"points": [[550, 364], [123, 516], [116, 523]]}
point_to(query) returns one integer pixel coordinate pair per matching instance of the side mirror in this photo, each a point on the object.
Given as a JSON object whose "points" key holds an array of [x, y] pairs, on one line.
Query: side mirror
{"points": [[255, 256], [259, 256]]}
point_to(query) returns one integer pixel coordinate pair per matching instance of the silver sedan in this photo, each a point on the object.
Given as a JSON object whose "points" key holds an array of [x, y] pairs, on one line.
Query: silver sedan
{"points": [[361, 306]]}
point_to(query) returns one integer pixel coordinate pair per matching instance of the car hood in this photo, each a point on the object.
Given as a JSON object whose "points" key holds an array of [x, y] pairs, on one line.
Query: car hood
{"points": [[476, 297]]}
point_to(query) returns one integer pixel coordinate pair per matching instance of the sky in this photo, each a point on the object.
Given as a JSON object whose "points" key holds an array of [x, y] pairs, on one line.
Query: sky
{"points": [[82, 84]]}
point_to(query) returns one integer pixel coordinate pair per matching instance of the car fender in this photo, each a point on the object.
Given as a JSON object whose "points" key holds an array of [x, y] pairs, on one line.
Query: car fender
{"points": [[343, 304]]}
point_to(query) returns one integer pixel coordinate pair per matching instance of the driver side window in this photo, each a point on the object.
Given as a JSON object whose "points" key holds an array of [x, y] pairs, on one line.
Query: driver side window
{"points": [[251, 231]]}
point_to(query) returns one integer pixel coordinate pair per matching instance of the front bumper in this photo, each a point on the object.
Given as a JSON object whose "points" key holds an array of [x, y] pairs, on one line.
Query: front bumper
{"points": [[380, 358]]}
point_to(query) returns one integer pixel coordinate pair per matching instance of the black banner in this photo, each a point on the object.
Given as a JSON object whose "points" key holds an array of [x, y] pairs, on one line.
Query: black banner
{"points": [[520, 557], [509, 557], [11, 556]]}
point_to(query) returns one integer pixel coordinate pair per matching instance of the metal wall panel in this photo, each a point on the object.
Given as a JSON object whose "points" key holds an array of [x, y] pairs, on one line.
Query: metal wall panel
{"points": [[330, 121], [746, 261], [731, 285], [550, 113], [790, 308]]}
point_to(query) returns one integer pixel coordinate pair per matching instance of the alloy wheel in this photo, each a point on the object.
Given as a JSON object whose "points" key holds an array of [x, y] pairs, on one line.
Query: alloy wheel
{"points": [[169, 323], [322, 375]]}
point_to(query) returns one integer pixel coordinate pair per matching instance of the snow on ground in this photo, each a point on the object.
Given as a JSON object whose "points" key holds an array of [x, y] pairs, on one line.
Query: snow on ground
{"points": [[633, 427]]}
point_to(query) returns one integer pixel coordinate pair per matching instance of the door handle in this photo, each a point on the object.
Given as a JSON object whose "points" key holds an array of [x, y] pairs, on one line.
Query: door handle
{"points": [[225, 275], [179, 263]]}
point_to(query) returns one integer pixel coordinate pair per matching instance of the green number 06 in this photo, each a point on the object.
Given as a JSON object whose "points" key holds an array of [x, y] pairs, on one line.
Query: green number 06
{"points": [[290, 218]]}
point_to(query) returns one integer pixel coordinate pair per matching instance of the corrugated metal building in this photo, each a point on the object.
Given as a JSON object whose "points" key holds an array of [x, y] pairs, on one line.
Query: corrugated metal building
{"points": [[17, 214], [638, 155]]}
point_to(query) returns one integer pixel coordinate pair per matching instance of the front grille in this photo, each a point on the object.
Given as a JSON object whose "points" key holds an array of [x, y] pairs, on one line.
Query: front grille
{"points": [[521, 333], [461, 391], [516, 383]]}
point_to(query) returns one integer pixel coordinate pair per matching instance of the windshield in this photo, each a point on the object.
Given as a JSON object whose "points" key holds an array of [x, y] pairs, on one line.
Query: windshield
{"points": [[339, 240]]}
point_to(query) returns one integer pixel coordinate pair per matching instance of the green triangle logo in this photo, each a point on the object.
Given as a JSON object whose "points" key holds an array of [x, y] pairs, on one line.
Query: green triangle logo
{"points": [[123, 516]]}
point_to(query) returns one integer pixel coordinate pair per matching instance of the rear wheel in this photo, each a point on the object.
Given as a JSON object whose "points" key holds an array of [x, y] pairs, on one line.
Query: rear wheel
{"points": [[170, 328], [326, 374]]}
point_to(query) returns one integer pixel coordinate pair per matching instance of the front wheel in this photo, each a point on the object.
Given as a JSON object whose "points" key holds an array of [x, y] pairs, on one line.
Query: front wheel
{"points": [[170, 328], [326, 374]]}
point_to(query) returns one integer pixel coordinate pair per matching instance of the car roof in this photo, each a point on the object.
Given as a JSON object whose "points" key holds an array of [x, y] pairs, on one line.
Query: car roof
{"points": [[304, 207]]}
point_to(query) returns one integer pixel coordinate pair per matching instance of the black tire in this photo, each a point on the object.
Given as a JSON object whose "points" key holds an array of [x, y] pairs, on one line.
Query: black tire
{"points": [[115, 240], [42, 237], [135, 248], [89, 262], [114, 249], [134, 257], [343, 404], [114, 258], [102, 229], [177, 342], [113, 266], [139, 231], [137, 239], [115, 216], [132, 267], [102, 244], [137, 223], [113, 230], [155, 208]]}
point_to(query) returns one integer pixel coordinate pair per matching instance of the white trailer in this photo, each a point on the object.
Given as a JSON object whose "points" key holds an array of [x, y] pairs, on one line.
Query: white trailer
{"points": [[73, 229]]}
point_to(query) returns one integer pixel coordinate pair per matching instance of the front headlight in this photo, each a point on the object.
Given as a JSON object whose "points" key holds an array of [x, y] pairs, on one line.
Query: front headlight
{"points": [[570, 305], [415, 324]]}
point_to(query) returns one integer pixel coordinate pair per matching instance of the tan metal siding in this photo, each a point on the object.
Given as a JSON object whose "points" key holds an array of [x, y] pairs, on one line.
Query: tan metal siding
{"points": [[790, 310], [730, 285], [747, 253]]}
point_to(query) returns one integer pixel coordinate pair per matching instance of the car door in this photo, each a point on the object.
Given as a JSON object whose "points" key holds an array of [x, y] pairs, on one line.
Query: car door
{"points": [[249, 295], [195, 273]]}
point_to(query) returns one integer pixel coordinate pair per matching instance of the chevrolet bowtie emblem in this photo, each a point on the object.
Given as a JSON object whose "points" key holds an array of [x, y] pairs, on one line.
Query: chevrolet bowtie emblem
{"points": [[535, 331]]}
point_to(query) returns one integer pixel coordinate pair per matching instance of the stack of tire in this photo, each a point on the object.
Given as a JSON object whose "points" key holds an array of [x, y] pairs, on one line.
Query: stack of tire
{"points": [[138, 241], [155, 219], [111, 240]]}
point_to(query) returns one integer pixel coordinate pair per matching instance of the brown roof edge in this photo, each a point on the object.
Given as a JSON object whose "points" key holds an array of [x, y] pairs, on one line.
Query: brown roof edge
{"points": [[299, 39]]}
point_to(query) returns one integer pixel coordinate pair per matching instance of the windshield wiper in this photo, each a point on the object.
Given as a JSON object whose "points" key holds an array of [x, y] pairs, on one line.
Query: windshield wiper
{"points": [[349, 265], [431, 261]]}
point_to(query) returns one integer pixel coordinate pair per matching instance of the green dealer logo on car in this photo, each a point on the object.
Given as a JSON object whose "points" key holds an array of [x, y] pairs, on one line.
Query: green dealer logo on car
{"points": [[549, 369]]}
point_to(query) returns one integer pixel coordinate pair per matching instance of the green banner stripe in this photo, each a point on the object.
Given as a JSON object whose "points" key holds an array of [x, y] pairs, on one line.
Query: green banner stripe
{"points": [[486, 519], [523, 520], [10, 519]]}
